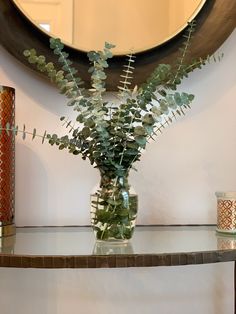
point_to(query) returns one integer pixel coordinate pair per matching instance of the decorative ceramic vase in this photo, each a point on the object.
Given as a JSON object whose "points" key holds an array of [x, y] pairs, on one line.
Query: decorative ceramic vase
{"points": [[7, 162], [226, 212], [113, 209]]}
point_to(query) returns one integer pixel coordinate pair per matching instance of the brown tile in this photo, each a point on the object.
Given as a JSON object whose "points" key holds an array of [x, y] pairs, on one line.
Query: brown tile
{"points": [[15, 261], [48, 261], [121, 261], [101, 261], [81, 262]]}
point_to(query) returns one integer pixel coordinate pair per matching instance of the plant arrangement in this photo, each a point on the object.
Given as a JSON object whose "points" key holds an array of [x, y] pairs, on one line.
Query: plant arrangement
{"points": [[113, 134]]}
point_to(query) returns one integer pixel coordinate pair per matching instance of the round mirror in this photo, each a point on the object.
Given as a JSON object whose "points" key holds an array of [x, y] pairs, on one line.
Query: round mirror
{"points": [[129, 24], [215, 21]]}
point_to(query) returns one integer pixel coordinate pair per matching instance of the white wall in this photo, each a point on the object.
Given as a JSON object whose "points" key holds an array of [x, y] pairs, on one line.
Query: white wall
{"points": [[174, 290], [176, 181]]}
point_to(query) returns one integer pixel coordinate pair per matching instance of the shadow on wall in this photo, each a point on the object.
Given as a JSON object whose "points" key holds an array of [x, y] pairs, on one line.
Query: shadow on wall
{"points": [[31, 186], [31, 84], [52, 187]]}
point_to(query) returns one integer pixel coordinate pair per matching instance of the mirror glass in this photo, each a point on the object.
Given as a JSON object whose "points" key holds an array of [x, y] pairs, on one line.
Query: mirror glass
{"points": [[129, 24]]}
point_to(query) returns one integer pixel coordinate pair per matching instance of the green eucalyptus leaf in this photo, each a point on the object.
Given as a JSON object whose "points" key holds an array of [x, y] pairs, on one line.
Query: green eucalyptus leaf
{"points": [[156, 111], [108, 54], [44, 136], [148, 119], [85, 132], [34, 133], [178, 99], [26, 53], [133, 145], [93, 56], [80, 118], [141, 140], [190, 97], [32, 59], [90, 123], [148, 128], [139, 130], [109, 46]]}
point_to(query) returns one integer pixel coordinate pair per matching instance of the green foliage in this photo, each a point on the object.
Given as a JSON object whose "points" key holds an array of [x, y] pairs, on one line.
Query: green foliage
{"points": [[113, 136]]}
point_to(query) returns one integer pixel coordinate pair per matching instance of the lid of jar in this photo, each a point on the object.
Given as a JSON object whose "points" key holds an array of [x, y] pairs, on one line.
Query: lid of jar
{"points": [[230, 194]]}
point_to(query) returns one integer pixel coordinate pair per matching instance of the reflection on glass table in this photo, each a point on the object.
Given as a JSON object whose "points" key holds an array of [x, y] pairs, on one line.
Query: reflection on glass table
{"points": [[146, 240]]}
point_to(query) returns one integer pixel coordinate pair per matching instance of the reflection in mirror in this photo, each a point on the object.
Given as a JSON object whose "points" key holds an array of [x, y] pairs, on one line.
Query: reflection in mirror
{"points": [[129, 24]]}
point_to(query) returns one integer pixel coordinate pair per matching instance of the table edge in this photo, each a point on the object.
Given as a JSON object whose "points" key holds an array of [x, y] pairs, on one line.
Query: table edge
{"points": [[116, 260]]}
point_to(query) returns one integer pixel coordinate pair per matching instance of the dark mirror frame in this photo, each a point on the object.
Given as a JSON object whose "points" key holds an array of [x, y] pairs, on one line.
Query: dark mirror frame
{"points": [[215, 22]]}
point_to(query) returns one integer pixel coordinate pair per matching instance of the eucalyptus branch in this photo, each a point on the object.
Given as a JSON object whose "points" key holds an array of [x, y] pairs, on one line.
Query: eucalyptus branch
{"points": [[200, 62], [112, 137], [57, 46], [98, 76], [180, 64], [127, 77], [14, 130], [61, 142], [63, 82], [43, 66], [68, 124]]}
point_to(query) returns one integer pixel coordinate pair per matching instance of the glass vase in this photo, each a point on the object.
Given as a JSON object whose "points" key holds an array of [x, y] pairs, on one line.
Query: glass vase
{"points": [[114, 208]]}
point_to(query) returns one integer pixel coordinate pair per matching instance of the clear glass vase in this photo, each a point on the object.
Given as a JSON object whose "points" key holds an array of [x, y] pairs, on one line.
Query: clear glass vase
{"points": [[114, 208]]}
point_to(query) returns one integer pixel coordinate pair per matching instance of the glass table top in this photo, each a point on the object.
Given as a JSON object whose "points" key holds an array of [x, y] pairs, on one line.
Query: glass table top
{"points": [[147, 240]]}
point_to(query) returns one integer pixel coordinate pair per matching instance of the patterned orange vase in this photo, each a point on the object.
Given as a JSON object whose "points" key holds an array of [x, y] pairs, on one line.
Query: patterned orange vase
{"points": [[7, 162], [226, 212]]}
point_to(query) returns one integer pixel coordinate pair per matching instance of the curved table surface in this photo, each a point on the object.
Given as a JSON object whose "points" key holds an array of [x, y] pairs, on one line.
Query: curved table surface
{"points": [[75, 247]]}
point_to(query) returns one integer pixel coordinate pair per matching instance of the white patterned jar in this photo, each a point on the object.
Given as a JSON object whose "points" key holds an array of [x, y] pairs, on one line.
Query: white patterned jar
{"points": [[226, 212]]}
